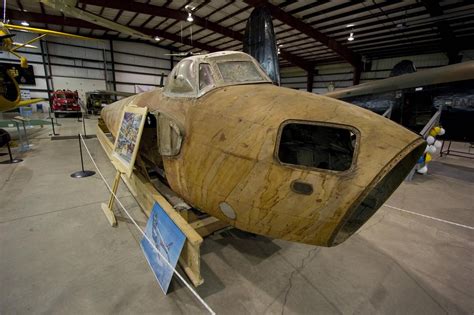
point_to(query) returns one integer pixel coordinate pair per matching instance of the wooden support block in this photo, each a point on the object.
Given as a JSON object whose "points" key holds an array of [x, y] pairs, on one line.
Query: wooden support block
{"points": [[108, 209], [208, 226], [109, 214]]}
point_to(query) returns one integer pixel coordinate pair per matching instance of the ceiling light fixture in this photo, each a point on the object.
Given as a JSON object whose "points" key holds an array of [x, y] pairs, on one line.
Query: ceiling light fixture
{"points": [[350, 25], [351, 37], [190, 17], [24, 23], [157, 38], [401, 25]]}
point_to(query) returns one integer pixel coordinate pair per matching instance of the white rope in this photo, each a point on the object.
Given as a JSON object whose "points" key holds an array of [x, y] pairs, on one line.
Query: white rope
{"points": [[432, 218], [200, 299]]}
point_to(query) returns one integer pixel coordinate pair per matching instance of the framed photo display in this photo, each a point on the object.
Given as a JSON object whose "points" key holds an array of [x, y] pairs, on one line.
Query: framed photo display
{"points": [[128, 138]]}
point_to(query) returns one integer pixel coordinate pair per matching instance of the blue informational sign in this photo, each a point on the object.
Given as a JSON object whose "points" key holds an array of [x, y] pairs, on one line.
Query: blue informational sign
{"points": [[169, 241]]}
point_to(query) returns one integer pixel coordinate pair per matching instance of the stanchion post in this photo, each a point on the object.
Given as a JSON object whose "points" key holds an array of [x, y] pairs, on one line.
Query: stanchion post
{"points": [[82, 173], [52, 125], [84, 126], [12, 160]]}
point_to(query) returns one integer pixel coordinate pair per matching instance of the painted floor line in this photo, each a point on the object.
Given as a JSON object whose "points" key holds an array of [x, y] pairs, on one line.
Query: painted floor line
{"points": [[432, 218]]}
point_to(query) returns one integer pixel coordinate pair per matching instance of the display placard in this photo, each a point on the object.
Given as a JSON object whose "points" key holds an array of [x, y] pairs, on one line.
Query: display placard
{"points": [[168, 239], [128, 138], [21, 75]]}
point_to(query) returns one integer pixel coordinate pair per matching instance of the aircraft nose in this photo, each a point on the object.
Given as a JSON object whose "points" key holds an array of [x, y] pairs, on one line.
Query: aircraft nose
{"points": [[378, 191]]}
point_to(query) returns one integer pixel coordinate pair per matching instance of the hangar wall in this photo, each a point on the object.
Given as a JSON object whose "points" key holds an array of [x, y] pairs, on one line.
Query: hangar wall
{"points": [[79, 65], [341, 74], [135, 67]]}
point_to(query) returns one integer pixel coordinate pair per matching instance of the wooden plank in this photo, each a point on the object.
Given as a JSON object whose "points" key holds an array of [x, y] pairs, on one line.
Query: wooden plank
{"points": [[208, 226], [106, 143]]}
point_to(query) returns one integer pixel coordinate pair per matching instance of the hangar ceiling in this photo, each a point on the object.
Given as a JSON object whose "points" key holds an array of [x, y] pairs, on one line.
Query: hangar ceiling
{"points": [[307, 32]]}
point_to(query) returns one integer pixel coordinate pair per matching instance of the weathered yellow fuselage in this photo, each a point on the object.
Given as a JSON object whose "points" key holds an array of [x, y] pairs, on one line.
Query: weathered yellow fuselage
{"points": [[229, 156]]}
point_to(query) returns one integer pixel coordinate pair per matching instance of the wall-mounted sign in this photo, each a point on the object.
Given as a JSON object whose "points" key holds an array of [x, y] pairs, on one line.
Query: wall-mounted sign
{"points": [[22, 75]]}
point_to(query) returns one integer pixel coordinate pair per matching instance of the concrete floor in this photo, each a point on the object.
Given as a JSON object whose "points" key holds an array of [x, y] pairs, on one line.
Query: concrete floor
{"points": [[58, 255]]}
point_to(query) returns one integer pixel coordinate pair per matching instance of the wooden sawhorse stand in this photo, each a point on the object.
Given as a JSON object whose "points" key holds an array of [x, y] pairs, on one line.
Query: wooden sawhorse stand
{"points": [[146, 195], [108, 208]]}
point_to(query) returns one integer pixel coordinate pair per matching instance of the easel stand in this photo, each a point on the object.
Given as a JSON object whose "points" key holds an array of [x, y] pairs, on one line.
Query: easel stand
{"points": [[108, 208]]}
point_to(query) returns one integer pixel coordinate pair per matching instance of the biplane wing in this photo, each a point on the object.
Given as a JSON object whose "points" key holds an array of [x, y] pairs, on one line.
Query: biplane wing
{"points": [[31, 101], [43, 31]]}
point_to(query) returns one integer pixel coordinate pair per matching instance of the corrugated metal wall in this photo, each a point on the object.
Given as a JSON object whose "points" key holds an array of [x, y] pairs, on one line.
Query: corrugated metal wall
{"points": [[79, 65], [341, 74]]}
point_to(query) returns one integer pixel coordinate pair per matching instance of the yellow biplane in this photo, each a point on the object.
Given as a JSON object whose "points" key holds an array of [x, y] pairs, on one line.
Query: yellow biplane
{"points": [[9, 89]]}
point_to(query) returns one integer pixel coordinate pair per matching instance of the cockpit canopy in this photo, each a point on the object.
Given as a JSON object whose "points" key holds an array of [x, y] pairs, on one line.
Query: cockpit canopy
{"points": [[197, 75]]}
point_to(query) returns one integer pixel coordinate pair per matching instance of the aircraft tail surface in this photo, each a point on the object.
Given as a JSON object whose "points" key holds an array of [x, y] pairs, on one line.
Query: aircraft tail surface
{"points": [[260, 42]]}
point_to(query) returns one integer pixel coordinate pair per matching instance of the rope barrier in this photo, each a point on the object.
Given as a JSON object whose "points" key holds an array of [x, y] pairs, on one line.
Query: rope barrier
{"points": [[198, 297]]}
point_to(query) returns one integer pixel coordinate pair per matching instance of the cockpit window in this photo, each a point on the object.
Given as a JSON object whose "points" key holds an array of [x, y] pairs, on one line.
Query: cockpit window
{"points": [[205, 76], [182, 78], [317, 146], [239, 72]]}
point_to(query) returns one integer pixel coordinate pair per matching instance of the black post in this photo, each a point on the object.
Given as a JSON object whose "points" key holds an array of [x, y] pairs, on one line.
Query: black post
{"points": [[84, 126], [112, 61], [12, 160], [82, 173], [80, 152], [52, 125]]}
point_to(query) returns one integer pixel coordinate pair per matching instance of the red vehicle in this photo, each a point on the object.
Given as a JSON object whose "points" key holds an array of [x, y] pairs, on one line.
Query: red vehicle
{"points": [[65, 102]]}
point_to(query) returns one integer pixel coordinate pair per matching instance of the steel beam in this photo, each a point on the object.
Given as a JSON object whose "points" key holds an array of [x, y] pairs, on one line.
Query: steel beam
{"points": [[448, 39], [59, 20], [182, 16]]}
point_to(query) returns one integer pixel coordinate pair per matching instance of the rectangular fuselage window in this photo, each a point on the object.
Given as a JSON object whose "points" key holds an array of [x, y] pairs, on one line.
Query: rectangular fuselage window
{"points": [[317, 146]]}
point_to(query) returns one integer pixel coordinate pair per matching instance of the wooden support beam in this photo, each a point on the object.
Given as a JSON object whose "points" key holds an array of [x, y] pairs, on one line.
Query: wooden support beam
{"points": [[348, 55]]}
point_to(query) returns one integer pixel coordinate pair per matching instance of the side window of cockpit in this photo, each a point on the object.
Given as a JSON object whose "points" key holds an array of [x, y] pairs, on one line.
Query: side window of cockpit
{"points": [[317, 146], [183, 78], [205, 76], [170, 135]]}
